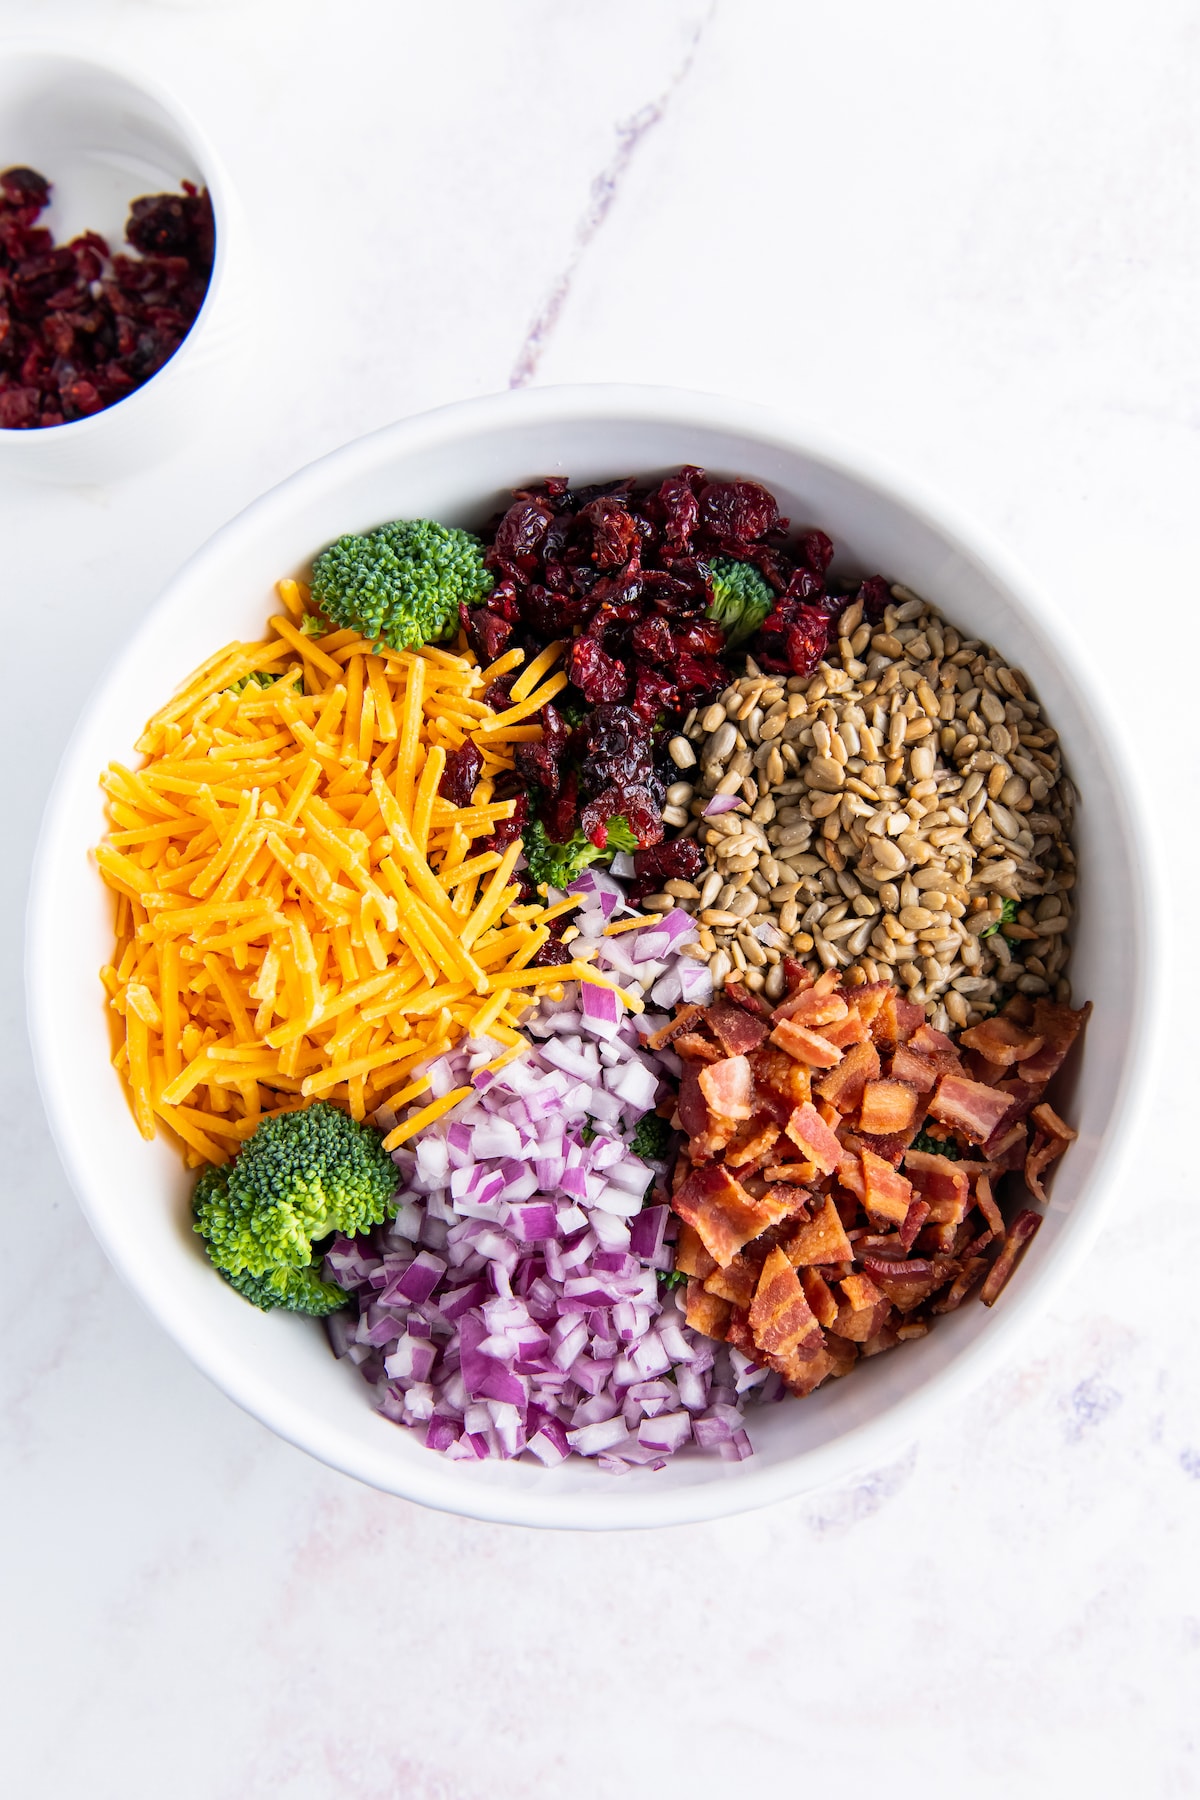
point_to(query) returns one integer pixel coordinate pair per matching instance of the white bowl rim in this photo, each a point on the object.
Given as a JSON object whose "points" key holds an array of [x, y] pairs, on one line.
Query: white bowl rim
{"points": [[734, 1488], [215, 179]]}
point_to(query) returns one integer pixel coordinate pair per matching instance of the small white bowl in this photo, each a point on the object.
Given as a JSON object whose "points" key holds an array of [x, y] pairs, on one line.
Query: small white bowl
{"points": [[102, 136], [456, 465]]}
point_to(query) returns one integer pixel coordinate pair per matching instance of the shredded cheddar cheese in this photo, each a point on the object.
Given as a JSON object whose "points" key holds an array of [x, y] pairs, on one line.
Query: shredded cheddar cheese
{"points": [[299, 913]]}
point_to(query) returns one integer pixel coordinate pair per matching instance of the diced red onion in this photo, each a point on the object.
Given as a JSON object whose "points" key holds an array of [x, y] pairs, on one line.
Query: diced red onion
{"points": [[721, 803]]}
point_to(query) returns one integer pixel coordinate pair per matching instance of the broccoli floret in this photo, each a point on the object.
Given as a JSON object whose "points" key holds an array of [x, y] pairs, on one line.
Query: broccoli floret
{"points": [[741, 599], [403, 583], [936, 1146], [1008, 914], [296, 1290], [301, 1176], [256, 678], [558, 864], [672, 1278], [651, 1138]]}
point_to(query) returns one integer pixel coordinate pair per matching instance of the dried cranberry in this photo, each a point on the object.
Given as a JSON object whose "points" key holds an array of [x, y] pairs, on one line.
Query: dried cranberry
{"points": [[507, 830], [599, 677], [876, 597], [461, 773], [652, 640], [498, 694], [25, 187], [487, 633], [20, 407], [738, 511], [654, 693], [679, 859], [559, 812], [614, 533], [703, 638], [520, 533], [552, 952], [816, 551], [807, 640]]}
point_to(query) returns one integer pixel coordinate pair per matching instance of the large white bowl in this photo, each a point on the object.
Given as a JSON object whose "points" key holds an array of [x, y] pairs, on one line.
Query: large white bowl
{"points": [[456, 465], [102, 134]]}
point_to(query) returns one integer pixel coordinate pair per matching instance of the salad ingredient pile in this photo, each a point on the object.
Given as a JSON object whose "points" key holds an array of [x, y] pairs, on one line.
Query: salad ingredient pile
{"points": [[562, 1175], [80, 326]]}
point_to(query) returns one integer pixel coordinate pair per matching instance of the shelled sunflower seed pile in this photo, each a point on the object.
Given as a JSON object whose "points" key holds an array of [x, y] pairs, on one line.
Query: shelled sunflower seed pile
{"points": [[887, 808]]}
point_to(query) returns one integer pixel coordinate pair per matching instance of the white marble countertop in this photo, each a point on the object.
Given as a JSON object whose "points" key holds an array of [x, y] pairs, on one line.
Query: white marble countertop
{"points": [[964, 237]]}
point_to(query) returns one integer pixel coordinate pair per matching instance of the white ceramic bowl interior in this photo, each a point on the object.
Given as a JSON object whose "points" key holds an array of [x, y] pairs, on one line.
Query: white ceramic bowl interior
{"points": [[456, 465], [102, 136]]}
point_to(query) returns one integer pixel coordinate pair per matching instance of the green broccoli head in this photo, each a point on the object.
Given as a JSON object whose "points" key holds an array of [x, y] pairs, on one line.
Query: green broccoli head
{"points": [[558, 864], [936, 1146], [403, 583], [301, 1176], [296, 1290], [652, 1137], [741, 598], [1008, 914]]}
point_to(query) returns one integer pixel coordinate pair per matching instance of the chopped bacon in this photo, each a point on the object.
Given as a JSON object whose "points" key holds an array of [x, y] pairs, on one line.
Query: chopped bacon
{"points": [[886, 1338], [912, 1328], [914, 1219], [918, 1071], [896, 1019], [728, 1088], [853, 1029], [858, 1323], [1050, 1140], [751, 1143], [811, 1008], [693, 1113], [683, 1020], [906, 1284], [944, 1184], [808, 1130], [753, 1003], [737, 1030], [819, 1295], [1021, 1095], [739, 1334], [780, 1317], [969, 1107], [1059, 1026], [842, 1354], [1001, 1040], [887, 1193], [887, 1106], [1022, 1229], [805, 1046], [693, 1046], [779, 1081], [713, 1139], [706, 1313], [987, 1206], [843, 1085], [804, 1373], [691, 1258], [935, 1047], [799, 1172], [821, 1240], [723, 1213], [850, 1175], [971, 1274], [734, 1283], [860, 1291]]}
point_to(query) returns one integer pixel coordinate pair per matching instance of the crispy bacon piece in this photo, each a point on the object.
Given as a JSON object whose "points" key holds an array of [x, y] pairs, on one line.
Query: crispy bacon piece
{"points": [[736, 1030], [751, 1143], [969, 1107], [918, 1071], [780, 1082], [944, 1184], [896, 1019], [905, 1284], [914, 1219], [887, 1106], [969, 1276], [842, 1354], [693, 1112], [780, 1317], [723, 1213], [691, 1258], [819, 1295], [1022, 1229], [864, 1309], [843, 1085], [860, 1291], [753, 1003], [734, 1283], [683, 1021], [1002, 1040], [937, 1048], [808, 1130], [886, 1192], [799, 1172], [886, 1338], [706, 1313], [853, 1029], [802, 1374], [912, 1328], [1050, 1140], [811, 1008], [821, 1240], [1059, 1026], [805, 1046], [987, 1206], [694, 1047], [728, 1088]]}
